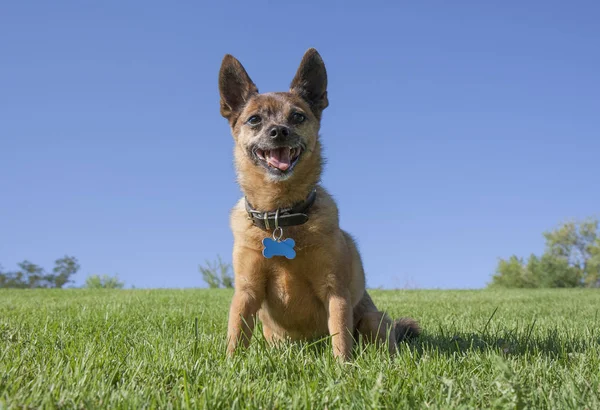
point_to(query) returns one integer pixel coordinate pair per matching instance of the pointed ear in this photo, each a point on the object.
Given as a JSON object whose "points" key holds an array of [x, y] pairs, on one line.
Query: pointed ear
{"points": [[310, 82], [235, 87]]}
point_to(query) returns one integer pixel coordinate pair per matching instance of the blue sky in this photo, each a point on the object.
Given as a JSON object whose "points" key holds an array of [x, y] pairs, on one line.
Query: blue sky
{"points": [[456, 133]]}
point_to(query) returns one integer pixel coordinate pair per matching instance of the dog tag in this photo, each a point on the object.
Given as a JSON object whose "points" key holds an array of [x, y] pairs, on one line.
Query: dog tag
{"points": [[277, 247]]}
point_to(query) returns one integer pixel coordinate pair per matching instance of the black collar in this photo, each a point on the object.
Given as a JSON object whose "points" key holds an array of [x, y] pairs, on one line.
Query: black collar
{"points": [[296, 215]]}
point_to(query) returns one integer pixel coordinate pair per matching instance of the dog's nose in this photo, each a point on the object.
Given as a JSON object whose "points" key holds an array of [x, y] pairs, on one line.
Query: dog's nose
{"points": [[279, 131]]}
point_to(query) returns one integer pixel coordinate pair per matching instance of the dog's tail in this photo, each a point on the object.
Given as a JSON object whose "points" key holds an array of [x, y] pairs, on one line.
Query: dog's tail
{"points": [[406, 328]]}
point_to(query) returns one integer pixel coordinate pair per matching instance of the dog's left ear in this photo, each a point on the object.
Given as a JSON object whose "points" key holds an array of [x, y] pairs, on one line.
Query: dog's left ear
{"points": [[235, 87], [310, 82]]}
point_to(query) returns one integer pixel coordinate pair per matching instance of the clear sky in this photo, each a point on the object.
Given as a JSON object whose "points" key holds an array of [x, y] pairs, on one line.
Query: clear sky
{"points": [[456, 132]]}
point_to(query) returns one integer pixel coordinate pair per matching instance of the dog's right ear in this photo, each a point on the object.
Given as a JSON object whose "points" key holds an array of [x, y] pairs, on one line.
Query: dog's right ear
{"points": [[235, 87]]}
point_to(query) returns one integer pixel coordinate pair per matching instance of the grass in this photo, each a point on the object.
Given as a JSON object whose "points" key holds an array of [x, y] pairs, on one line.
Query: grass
{"points": [[144, 349]]}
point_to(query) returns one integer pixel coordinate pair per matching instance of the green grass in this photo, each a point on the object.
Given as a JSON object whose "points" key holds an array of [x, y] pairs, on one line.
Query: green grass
{"points": [[141, 349]]}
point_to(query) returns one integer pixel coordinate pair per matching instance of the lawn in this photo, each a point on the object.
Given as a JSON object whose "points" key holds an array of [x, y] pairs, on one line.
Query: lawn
{"points": [[166, 348]]}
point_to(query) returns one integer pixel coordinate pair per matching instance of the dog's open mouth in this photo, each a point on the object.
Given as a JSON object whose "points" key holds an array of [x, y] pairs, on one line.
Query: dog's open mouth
{"points": [[282, 158]]}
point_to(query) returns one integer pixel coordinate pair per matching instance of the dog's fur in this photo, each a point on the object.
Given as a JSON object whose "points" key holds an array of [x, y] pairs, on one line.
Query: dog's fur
{"points": [[322, 291]]}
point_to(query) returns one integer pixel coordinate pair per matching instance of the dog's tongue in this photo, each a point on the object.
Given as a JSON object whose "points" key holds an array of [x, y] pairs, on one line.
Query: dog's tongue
{"points": [[280, 158]]}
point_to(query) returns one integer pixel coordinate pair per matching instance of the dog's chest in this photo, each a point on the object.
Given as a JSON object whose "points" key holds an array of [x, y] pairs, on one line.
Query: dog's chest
{"points": [[290, 293]]}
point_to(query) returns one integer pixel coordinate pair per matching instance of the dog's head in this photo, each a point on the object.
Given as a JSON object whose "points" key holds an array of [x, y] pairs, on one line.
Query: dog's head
{"points": [[276, 134]]}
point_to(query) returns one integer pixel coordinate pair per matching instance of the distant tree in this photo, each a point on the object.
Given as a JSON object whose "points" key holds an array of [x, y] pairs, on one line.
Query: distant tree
{"points": [[17, 279], [64, 268], [571, 259], [592, 278], [217, 274], [534, 272], [576, 245], [103, 282], [30, 275]]}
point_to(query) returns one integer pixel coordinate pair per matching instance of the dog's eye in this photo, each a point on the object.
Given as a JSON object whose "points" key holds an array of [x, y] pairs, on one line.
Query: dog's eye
{"points": [[298, 118], [254, 120]]}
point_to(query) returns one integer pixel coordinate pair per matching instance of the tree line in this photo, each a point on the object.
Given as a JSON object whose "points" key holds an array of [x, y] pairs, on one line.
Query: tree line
{"points": [[32, 276], [571, 259]]}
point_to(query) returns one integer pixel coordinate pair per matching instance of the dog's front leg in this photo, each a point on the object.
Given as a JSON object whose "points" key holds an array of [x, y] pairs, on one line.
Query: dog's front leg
{"points": [[339, 322], [241, 319]]}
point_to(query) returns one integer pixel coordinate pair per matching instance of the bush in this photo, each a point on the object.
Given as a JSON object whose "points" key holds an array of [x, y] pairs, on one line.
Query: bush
{"points": [[103, 282], [217, 274]]}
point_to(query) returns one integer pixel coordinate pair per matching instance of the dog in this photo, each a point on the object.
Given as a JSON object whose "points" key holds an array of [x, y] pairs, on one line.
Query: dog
{"points": [[294, 268]]}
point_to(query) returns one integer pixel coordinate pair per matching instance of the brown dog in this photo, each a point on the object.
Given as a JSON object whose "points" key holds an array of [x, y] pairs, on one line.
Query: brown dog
{"points": [[278, 161]]}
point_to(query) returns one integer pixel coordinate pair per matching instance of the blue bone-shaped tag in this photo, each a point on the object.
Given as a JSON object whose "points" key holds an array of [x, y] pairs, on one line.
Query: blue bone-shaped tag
{"points": [[279, 248]]}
